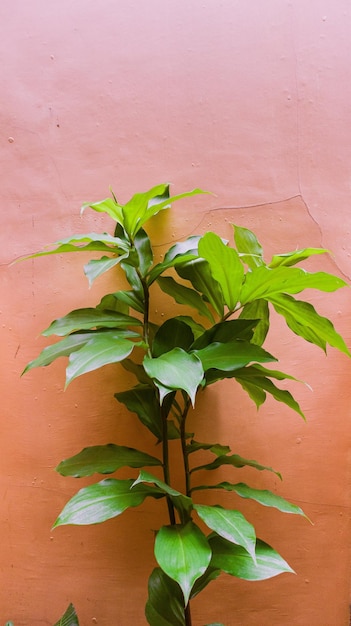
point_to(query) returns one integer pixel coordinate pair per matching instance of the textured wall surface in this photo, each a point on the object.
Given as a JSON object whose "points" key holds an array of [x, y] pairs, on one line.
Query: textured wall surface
{"points": [[252, 101]]}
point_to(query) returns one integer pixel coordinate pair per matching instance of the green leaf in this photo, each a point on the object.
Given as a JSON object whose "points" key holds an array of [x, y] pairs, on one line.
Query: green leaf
{"points": [[165, 605], [216, 448], [248, 246], [236, 461], [182, 503], [183, 553], [228, 356], [104, 500], [291, 258], [131, 299], [303, 320], [102, 349], [184, 295], [172, 334], [87, 319], [198, 272], [262, 496], [135, 211], [64, 347], [69, 618], [104, 460], [204, 580], [196, 328], [143, 401], [96, 267], [257, 310], [143, 247], [181, 252], [169, 368], [109, 206], [225, 265], [264, 282], [230, 525], [234, 560], [224, 332]]}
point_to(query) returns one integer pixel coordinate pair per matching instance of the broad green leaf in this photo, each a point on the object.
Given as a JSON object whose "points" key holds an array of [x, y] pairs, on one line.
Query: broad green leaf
{"points": [[87, 319], [303, 320], [64, 347], [181, 252], [184, 295], [96, 267], [257, 310], [236, 461], [216, 448], [102, 349], [204, 580], [235, 560], [110, 302], [143, 247], [109, 206], [225, 265], [131, 299], [169, 368], [234, 354], [166, 203], [104, 460], [196, 328], [296, 256], [224, 332], [182, 503], [264, 282], [183, 553], [69, 618], [262, 496], [172, 334], [198, 272], [230, 525], [143, 401], [135, 210], [165, 605], [248, 246], [104, 500]]}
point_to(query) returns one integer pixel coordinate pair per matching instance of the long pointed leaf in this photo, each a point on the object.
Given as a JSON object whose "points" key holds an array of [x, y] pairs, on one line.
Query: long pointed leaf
{"points": [[236, 461], [248, 246], [184, 295], [230, 525], [231, 355], [104, 460], [165, 605], [87, 319], [64, 347], [69, 618]]}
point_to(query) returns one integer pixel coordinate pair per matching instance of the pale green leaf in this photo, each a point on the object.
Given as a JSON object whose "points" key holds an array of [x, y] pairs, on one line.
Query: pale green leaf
{"points": [[296, 256], [230, 525], [183, 553], [109, 206], [248, 246], [169, 368], [64, 347], [225, 266], [104, 460]]}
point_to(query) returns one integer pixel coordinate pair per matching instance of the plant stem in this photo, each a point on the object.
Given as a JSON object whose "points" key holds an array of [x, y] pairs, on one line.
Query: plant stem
{"points": [[165, 456], [187, 615], [184, 450]]}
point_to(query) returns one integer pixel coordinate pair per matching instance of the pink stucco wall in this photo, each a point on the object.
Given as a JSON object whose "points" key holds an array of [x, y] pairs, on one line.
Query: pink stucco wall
{"points": [[252, 101]]}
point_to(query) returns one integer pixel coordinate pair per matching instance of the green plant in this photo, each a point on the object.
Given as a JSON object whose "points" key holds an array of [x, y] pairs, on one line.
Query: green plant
{"points": [[69, 618], [231, 289]]}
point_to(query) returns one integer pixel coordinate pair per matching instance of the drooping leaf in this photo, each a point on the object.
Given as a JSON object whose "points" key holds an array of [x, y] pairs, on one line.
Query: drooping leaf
{"points": [[184, 295], [143, 247], [182, 503], [257, 310], [234, 354], [262, 496], [183, 553], [165, 605], [230, 525], [104, 500], [172, 334], [169, 368], [225, 266], [102, 349], [181, 252], [87, 319], [303, 320], [69, 618], [104, 460], [236, 561], [264, 282], [248, 246], [64, 347], [236, 461], [96, 267], [216, 448], [109, 206], [227, 331], [131, 299], [199, 274], [296, 256], [143, 401]]}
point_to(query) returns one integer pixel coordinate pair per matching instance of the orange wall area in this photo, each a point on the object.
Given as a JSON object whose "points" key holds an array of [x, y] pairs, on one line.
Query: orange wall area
{"points": [[252, 101]]}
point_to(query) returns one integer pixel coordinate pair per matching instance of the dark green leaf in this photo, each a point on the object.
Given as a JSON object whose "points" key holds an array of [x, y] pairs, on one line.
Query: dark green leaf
{"points": [[196, 328], [104, 460], [223, 332], [143, 401], [199, 274], [69, 618], [230, 525], [228, 356], [104, 500], [236, 461], [183, 553], [296, 256], [234, 560], [248, 246], [257, 310], [184, 295], [172, 334], [87, 319], [144, 250], [165, 605], [303, 320], [102, 349], [216, 448], [225, 265], [169, 368]]}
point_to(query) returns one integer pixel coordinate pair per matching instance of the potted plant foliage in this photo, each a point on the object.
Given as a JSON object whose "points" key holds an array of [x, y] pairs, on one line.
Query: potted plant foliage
{"points": [[230, 287]]}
